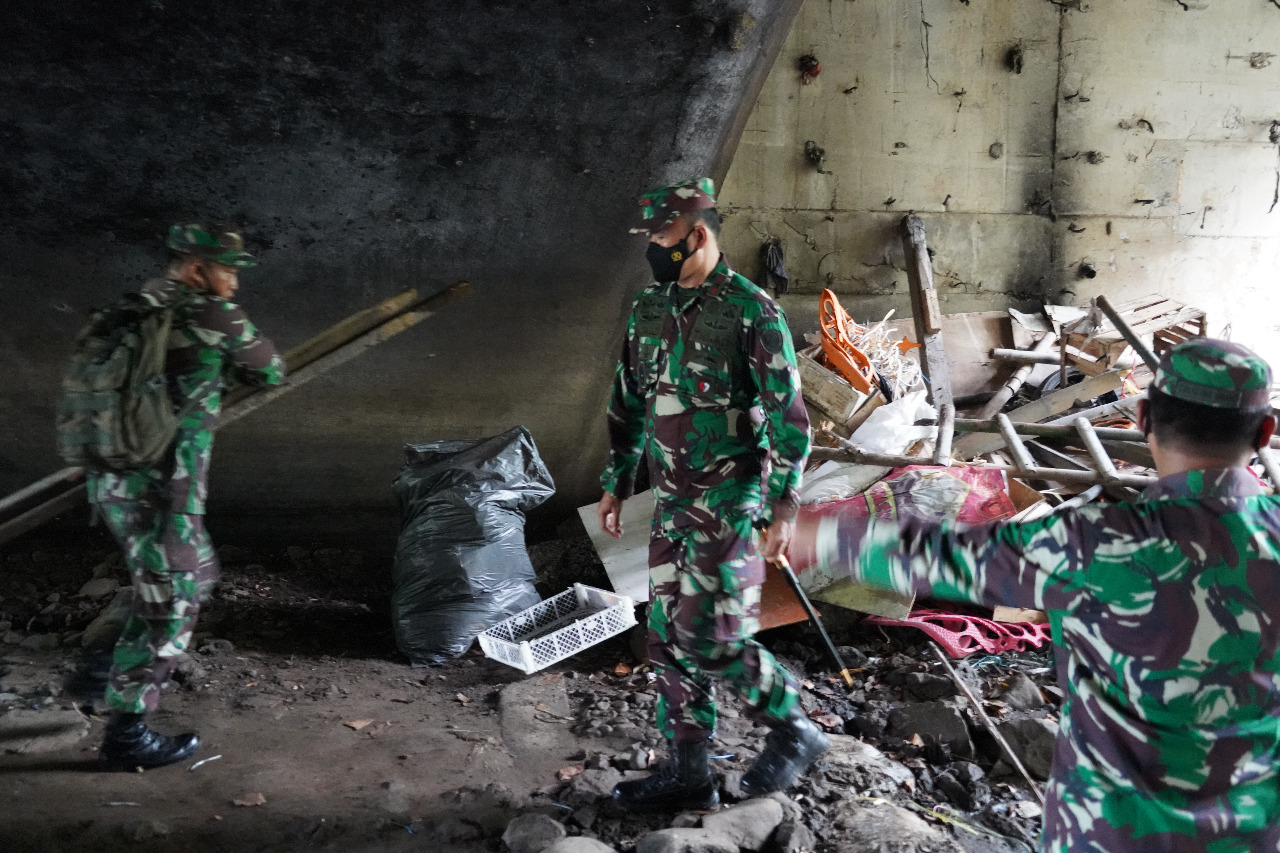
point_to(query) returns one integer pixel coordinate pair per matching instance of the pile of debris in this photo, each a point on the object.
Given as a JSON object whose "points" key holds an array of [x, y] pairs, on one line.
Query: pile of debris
{"points": [[910, 761]]}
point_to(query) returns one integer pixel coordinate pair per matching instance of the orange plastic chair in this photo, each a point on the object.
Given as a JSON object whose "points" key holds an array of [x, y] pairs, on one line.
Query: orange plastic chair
{"points": [[849, 361]]}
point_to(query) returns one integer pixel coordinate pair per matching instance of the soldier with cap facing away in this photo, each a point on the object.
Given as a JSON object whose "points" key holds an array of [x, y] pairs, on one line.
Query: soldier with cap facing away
{"points": [[1165, 613], [157, 514], [707, 387]]}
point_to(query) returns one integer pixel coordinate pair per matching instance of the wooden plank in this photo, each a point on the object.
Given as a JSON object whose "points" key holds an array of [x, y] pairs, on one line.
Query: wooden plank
{"points": [[56, 505], [340, 333], [970, 337], [1002, 613], [1165, 321], [58, 502], [1051, 404], [826, 392], [925, 313], [40, 491], [347, 352]]}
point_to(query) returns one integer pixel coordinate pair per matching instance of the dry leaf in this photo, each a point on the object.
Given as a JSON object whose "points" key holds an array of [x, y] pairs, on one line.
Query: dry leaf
{"points": [[917, 740], [564, 774], [542, 706], [357, 724], [622, 669], [829, 721], [461, 698], [250, 800]]}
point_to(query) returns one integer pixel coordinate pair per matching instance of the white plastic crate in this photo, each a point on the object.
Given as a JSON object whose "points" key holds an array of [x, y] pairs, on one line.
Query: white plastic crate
{"points": [[561, 626]]}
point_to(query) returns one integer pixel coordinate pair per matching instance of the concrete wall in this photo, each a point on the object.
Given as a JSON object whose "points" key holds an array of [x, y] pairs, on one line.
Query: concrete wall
{"points": [[1032, 137], [363, 148]]}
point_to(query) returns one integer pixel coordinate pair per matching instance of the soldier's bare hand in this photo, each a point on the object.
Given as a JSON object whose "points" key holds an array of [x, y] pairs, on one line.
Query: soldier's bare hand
{"points": [[609, 511], [778, 540]]}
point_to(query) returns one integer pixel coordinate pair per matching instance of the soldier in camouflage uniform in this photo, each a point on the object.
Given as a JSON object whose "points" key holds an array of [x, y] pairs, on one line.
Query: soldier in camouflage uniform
{"points": [[707, 388], [157, 515], [1166, 614]]}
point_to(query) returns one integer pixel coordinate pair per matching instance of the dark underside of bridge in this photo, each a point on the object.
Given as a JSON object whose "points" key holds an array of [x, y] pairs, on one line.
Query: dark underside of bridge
{"points": [[363, 149]]}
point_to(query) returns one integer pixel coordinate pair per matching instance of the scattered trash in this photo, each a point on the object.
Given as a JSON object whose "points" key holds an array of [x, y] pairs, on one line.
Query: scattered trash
{"points": [[566, 773], [204, 761], [357, 724], [250, 800], [461, 697]]}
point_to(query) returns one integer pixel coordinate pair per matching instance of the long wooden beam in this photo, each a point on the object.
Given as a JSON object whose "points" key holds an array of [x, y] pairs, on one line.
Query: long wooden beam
{"points": [[64, 490], [925, 312]]}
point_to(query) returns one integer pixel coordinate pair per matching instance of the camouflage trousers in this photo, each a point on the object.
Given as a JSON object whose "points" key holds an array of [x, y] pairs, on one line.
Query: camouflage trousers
{"points": [[701, 623], [171, 562]]}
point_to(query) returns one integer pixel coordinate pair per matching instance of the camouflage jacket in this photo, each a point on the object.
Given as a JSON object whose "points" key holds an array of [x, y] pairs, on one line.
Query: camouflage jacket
{"points": [[211, 340], [708, 386], [1167, 617]]}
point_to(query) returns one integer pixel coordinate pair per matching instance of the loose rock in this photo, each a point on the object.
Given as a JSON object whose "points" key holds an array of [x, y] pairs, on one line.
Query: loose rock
{"points": [[1031, 739], [933, 718], [532, 833], [99, 588], [863, 768], [748, 825], [792, 836], [579, 845], [1022, 694], [685, 841]]}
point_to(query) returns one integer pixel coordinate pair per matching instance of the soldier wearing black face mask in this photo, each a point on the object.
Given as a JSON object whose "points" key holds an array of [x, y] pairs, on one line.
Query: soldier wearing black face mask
{"points": [[708, 390]]}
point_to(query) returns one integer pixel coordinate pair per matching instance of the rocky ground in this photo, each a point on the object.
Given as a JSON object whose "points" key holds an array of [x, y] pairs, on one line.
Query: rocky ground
{"points": [[316, 734]]}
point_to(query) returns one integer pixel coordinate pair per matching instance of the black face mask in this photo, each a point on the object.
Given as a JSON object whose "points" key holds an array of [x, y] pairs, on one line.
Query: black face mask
{"points": [[666, 261]]}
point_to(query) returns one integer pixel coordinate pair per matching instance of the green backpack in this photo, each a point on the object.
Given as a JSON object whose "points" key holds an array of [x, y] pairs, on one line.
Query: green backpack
{"points": [[116, 413]]}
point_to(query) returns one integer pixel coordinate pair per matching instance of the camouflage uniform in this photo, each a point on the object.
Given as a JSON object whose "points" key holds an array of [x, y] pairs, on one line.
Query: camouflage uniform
{"points": [[1166, 613], [708, 388], [157, 515]]}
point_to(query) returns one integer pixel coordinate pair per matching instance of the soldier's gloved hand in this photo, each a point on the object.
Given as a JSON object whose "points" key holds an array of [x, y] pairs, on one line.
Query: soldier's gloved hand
{"points": [[609, 512], [777, 539]]}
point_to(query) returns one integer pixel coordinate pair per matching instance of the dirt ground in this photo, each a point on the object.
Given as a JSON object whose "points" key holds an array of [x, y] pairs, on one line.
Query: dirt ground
{"points": [[315, 734]]}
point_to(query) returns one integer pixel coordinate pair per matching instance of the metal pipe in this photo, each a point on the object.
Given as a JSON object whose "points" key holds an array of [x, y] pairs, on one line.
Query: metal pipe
{"points": [[1063, 430], [1011, 386], [849, 452], [1024, 356], [946, 431], [1101, 460], [1011, 439]]}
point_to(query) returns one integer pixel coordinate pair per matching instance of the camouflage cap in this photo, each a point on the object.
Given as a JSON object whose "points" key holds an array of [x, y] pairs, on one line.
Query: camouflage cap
{"points": [[212, 244], [1215, 373], [659, 207]]}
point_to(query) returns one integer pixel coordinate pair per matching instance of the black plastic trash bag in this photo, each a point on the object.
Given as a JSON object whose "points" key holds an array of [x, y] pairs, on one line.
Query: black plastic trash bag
{"points": [[461, 565]]}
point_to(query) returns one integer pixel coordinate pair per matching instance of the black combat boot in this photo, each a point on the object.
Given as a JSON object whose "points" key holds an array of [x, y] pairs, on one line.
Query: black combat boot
{"points": [[129, 744], [793, 744], [683, 783]]}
